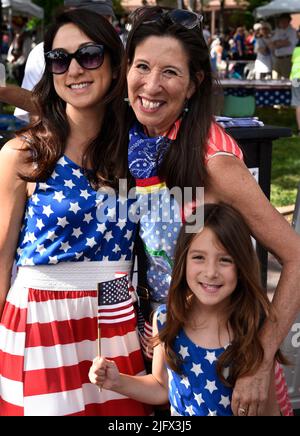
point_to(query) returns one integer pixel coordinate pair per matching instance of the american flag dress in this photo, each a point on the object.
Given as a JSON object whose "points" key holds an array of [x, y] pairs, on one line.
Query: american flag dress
{"points": [[159, 235], [72, 239]]}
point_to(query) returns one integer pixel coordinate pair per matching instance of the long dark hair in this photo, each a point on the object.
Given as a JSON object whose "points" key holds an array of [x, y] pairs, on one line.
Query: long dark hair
{"points": [[107, 153], [183, 164], [249, 304]]}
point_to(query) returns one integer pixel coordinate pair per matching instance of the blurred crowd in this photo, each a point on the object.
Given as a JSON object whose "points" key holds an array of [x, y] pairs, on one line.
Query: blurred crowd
{"points": [[261, 52]]}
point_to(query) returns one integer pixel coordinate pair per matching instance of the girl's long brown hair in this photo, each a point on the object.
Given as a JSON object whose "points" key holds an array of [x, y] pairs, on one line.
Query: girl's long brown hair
{"points": [[107, 153], [249, 305]]}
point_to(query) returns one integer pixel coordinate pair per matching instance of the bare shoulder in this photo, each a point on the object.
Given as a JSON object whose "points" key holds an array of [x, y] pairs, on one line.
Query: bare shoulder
{"points": [[231, 182], [14, 155]]}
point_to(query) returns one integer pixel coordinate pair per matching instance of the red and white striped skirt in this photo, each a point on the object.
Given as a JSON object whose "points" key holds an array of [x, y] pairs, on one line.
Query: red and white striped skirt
{"points": [[48, 339]]}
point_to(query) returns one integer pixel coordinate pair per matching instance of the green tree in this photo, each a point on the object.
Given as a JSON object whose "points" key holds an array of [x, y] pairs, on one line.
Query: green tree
{"points": [[49, 6]]}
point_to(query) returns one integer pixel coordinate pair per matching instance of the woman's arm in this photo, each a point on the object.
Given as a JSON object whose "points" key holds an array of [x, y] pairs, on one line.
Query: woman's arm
{"points": [[12, 204], [231, 182], [148, 389], [19, 97]]}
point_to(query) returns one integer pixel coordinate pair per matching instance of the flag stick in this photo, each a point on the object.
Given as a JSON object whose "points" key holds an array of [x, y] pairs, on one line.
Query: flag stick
{"points": [[99, 347]]}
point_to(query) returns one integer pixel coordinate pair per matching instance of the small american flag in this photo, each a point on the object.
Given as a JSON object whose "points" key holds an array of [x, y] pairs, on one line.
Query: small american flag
{"points": [[114, 302]]}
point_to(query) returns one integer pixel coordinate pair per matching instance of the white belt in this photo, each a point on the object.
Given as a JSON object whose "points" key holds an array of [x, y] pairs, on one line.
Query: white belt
{"points": [[70, 276]]}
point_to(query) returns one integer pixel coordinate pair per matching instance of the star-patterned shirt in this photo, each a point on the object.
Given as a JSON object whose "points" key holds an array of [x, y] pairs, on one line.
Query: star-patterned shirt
{"points": [[160, 213], [198, 390], [67, 220]]}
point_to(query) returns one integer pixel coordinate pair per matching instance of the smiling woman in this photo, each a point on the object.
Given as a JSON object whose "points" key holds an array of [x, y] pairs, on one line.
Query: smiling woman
{"points": [[64, 248], [175, 143]]}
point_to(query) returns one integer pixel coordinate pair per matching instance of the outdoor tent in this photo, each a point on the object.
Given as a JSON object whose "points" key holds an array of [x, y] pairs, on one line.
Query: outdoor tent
{"points": [[23, 7], [277, 7]]}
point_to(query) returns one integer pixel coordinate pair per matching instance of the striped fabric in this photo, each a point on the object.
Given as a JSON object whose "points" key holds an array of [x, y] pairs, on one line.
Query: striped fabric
{"points": [[48, 339], [282, 392]]}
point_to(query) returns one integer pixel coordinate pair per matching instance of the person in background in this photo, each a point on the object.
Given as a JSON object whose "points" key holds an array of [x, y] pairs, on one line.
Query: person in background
{"points": [[19, 49], [263, 62], [208, 333], [60, 221], [35, 64], [170, 87], [295, 78], [284, 41]]}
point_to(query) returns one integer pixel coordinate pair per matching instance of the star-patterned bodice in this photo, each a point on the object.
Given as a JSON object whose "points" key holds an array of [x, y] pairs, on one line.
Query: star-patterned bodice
{"points": [[198, 390], [67, 220]]}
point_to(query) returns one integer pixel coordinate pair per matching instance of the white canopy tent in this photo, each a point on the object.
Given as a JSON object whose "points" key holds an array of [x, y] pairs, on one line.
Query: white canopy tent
{"points": [[277, 7], [23, 7]]}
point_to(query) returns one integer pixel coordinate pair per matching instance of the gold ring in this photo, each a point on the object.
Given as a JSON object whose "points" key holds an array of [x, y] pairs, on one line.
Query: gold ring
{"points": [[242, 411]]}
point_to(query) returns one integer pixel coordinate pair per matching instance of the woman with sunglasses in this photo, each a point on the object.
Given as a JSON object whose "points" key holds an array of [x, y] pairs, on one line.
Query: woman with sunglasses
{"points": [[66, 234], [176, 143]]}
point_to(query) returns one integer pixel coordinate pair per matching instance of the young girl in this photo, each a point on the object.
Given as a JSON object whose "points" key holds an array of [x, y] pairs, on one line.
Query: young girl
{"points": [[209, 336]]}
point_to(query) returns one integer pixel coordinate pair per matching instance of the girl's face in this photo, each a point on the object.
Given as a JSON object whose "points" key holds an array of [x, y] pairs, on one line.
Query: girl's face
{"points": [[79, 87], [210, 271], [159, 83]]}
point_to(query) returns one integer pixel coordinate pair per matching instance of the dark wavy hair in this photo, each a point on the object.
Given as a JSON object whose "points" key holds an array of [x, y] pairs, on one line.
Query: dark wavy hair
{"points": [[249, 304], [107, 153], [183, 164]]}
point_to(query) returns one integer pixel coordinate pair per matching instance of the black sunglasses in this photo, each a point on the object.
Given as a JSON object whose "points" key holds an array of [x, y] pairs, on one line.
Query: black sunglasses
{"points": [[187, 19], [89, 57]]}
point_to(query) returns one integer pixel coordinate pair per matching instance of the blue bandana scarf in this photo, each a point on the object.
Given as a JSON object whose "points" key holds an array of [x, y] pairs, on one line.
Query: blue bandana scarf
{"points": [[145, 154]]}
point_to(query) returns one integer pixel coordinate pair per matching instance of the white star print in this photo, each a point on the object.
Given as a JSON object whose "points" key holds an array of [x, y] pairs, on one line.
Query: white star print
{"points": [[111, 213], [59, 196], [74, 207], [91, 242], [101, 228], [121, 224], [211, 357], [47, 210], [225, 402], [77, 232], [128, 234], [199, 399], [43, 186], [185, 382], [35, 199], [84, 194], [197, 369], [30, 211], [162, 317], [65, 246], [62, 221], [77, 173], [29, 262], [88, 218], [54, 175], [41, 249], [184, 351], [20, 251], [78, 255], [53, 260], [108, 236], [69, 184], [189, 410], [62, 161], [40, 224], [212, 412], [211, 386], [31, 237], [51, 235], [116, 249]]}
